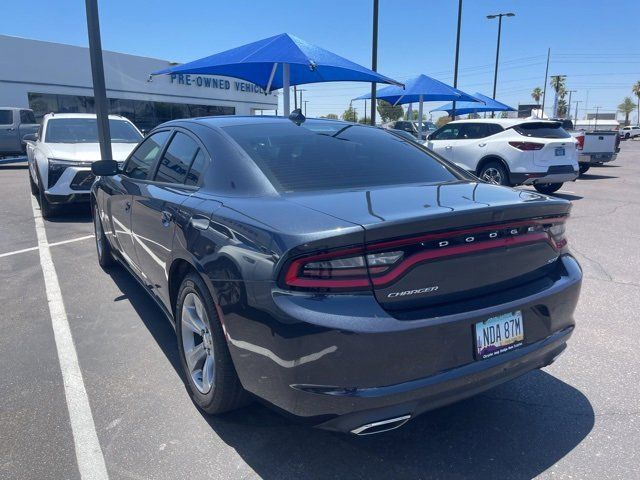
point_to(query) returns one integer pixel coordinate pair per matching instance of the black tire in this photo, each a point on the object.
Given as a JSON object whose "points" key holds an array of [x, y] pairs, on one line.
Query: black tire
{"points": [[32, 184], [46, 208], [105, 257], [495, 173], [548, 188], [584, 168], [226, 392], [626, 137]]}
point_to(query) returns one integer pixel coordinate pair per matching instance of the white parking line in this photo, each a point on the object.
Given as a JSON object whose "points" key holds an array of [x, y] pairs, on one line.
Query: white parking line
{"points": [[88, 452], [31, 249]]}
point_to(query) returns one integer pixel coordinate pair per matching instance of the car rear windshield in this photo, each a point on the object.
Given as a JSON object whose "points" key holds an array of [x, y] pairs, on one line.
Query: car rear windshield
{"points": [[542, 130], [324, 155], [85, 130]]}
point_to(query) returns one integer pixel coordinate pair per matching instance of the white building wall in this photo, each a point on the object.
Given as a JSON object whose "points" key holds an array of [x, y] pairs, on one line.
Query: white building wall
{"points": [[44, 67]]}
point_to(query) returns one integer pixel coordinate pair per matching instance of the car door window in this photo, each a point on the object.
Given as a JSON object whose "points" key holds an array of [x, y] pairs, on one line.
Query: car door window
{"points": [[470, 131], [6, 117], [197, 168], [177, 159], [27, 117], [449, 132], [144, 157]]}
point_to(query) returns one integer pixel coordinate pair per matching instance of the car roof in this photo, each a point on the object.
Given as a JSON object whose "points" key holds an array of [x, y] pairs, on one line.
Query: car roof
{"points": [[504, 122], [82, 115], [228, 120]]}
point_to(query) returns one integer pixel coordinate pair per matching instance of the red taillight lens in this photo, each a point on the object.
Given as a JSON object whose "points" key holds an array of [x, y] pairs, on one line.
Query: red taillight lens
{"points": [[557, 233], [336, 270], [526, 146], [580, 140]]}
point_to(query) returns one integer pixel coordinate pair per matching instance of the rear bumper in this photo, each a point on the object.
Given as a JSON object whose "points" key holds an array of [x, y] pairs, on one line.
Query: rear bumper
{"points": [[70, 198], [594, 158], [553, 174], [341, 361]]}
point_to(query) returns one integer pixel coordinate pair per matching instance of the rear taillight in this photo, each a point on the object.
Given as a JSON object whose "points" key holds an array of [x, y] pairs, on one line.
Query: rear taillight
{"points": [[340, 269], [526, 146], [382, 263], [580, 140]]}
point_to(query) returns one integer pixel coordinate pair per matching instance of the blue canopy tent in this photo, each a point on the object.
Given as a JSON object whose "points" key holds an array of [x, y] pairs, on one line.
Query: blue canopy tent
{"points": [[279, 62], [462, 108], [420, 89]]}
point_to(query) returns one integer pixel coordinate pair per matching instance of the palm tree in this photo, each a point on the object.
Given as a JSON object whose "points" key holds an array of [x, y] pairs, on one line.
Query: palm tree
{"points": [[636, 91], [557, 83], [627, 106], [536, 94]]}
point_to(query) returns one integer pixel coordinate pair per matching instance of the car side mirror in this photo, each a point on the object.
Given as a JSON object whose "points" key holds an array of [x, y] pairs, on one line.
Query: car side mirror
{"points": [[104, 168], [430, 136], [30, 137]]}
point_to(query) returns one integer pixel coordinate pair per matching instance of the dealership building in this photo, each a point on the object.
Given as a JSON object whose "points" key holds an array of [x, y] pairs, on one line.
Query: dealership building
{"points": [[52, 77]]}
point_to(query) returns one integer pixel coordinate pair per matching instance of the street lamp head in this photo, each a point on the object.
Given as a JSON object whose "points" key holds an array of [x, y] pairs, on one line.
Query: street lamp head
{"points": [[501, 15], [491, 16], [509, 14]]}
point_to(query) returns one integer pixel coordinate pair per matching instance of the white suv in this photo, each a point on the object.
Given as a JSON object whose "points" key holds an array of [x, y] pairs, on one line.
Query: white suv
{"points": [[510, 151], [629, 131]]}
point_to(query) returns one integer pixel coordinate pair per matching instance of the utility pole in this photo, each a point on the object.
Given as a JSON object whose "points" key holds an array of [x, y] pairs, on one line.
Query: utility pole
{"points": [[97, 72], [305, 107], [568, 112], [374, 60], [295, 97], [575, 117], [455, 65], [495, 74], [595, 126], [546, 78], [365, 110]]}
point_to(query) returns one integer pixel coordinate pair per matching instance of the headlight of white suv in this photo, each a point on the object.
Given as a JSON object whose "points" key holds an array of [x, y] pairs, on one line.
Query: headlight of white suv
{"points": [[57, 166]]}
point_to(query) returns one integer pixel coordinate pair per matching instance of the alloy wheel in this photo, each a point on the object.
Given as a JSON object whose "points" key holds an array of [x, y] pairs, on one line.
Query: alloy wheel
{"points": [[197, 343], [492, 175]]}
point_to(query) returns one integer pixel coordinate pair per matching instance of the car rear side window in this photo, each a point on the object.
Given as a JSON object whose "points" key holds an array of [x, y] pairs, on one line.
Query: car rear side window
{"points": [[6, 117], [325, 155], [27, 116], [448, 132], [177, 159], [542, 130], [197, 167], [143, 158]]}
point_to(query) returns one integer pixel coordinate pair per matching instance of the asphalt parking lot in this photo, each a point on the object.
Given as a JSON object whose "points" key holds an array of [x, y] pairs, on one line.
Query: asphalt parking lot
{"points": [[579, 418]]}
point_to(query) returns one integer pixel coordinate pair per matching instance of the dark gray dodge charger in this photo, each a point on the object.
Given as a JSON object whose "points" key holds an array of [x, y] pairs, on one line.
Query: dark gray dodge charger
{"points": [[339, 272]]}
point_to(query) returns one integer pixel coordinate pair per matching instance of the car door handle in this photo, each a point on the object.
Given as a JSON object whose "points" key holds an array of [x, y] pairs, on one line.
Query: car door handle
{"points": [[166, 218], [127, 206], [448, 147], [482, 144]]}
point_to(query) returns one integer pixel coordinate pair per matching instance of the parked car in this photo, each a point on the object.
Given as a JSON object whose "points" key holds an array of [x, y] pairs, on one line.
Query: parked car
{"points": [[15, 123], [427, 128], [405, 125], [334, 270], [630, 131], [61, 153], [510, 151]]}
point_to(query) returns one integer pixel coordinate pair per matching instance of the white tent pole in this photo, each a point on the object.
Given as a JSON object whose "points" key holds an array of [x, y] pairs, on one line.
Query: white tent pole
{"points": [[420, 119], [286, 89], [273, 73]]}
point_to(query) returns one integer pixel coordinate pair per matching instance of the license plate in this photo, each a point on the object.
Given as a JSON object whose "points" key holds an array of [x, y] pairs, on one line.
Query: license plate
{"points": [[499, 334], [560, 152]]}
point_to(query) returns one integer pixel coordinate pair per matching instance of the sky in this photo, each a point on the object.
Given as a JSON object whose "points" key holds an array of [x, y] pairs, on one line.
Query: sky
{"points": [[594, 43]]}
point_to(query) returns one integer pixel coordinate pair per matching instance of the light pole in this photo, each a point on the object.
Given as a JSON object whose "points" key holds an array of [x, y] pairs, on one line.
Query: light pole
{"points": [[575, 116], [305, 107], [374, 60], [301, 90], [495, 75], [455, 65]]}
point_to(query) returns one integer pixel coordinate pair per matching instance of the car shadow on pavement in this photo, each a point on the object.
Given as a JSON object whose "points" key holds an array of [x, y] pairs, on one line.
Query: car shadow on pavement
{"points": [[567, 196], [590, 176], [516, 430], [72, 213]]}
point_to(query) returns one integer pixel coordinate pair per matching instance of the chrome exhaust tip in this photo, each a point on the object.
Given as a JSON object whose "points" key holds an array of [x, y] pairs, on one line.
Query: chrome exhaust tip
{"points": [[381, 426]]}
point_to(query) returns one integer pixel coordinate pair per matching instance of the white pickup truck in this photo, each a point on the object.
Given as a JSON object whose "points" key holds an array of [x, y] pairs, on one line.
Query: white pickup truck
{"points": [[61, 153], [596, 148]]}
